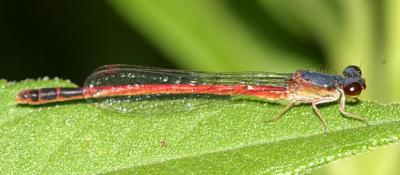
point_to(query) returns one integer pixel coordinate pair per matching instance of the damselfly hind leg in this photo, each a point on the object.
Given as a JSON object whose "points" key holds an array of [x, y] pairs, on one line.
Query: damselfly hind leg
{"points": [[280, 114]]}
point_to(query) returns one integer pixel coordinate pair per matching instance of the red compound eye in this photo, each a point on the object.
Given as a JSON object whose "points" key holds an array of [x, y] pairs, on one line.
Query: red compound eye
{"points": [[353, 89]]}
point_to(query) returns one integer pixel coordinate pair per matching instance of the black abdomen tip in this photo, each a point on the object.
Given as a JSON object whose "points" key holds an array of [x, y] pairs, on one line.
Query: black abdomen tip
{"points": [[29, 96], [48, 95]]}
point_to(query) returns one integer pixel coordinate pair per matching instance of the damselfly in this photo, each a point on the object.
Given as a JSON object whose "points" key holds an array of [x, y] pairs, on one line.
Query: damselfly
{"points": [[149, 83]]}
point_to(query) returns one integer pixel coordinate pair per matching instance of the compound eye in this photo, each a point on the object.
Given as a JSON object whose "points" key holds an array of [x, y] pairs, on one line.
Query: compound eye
{"points": [[352, 71], [353, 89]]}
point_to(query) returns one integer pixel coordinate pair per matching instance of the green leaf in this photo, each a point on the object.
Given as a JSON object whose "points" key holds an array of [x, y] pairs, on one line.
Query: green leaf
{"points": [[230, 137], [214, 35]]}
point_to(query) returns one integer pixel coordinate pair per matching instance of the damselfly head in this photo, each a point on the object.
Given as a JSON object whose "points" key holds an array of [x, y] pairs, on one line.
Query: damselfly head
{"points": [[354, 83]]}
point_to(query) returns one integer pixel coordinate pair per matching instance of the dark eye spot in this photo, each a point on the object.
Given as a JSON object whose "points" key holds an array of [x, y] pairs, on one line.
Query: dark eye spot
{"points": [[352, 71], [353, 89]]}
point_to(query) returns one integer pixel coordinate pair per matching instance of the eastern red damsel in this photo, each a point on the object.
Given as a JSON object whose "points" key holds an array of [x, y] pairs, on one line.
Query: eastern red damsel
{"points": [[131, 81]]}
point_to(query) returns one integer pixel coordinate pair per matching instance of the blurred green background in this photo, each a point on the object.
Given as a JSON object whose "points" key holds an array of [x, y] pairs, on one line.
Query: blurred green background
{"points": [[68, 39]]}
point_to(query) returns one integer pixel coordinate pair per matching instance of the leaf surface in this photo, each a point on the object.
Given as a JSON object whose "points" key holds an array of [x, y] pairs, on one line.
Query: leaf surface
{"points": [[79, 137]]}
